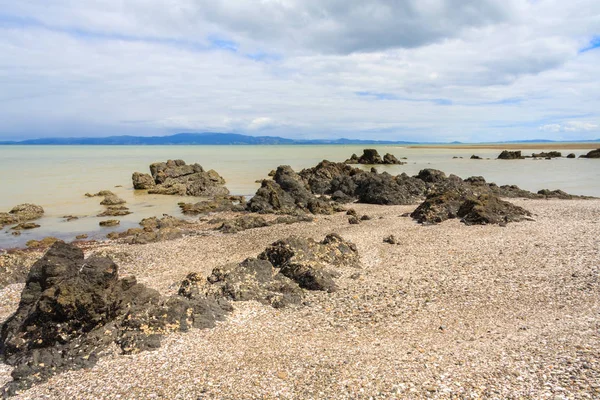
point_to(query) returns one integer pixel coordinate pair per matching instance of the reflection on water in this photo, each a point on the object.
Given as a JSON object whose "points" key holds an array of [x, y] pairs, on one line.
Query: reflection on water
{"points": [[57, 177]]}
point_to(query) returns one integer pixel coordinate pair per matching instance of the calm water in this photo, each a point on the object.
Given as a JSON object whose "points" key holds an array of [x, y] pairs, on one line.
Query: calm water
{"points": [[57, 177]]}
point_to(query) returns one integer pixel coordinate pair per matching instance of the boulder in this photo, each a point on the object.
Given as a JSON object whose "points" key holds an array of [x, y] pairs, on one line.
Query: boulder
{"points": [[21, 213], [391, 159], [510, 155], [352, 160], [115, 211], [571, 155], [550, 154], [110, 222], [370, 156], [592, 154], [388, 190], [489, 209], [217, 204], [175, 177], [243, 223], [73, 308], [438, 207], [474, 157], [112, 200], [142, 181], [310, 263]]}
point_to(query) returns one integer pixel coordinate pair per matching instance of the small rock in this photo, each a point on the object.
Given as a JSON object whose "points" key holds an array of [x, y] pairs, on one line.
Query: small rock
{"points": [[390, 239], [110, 222], [353, 221]]}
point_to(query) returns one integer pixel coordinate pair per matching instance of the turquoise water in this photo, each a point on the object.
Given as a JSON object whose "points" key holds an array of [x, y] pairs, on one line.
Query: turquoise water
{"points": [[57, 177]]}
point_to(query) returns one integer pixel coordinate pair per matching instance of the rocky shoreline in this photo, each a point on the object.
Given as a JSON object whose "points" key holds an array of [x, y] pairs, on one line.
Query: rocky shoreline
{"points": [[77, 308]]}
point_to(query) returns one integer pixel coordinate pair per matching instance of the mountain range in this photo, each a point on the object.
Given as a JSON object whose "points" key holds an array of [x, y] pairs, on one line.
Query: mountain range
{"points": [[217, 139]]}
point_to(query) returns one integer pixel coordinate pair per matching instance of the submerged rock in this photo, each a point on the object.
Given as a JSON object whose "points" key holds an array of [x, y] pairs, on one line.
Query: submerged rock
{"points": [[110, 222], [25, 226], [175, 177]]}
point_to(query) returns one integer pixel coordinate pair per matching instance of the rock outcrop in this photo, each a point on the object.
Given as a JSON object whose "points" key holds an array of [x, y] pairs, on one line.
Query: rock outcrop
{"points": [[550, 154], [592, 154], [246, 222], [21, 213], [372, 157], [178, 178], [73, 308], [510, 155], [217, 204]]}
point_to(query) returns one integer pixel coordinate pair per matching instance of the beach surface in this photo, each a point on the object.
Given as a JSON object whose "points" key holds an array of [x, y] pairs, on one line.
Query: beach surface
{"points": [[451, 311]]}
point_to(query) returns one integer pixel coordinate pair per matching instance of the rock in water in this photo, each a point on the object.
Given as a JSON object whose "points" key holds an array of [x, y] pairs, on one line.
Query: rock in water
{"points": [[21, 213], [73, 308], [510, 155], [178, 178], [550, 154], [370, 156], [592, 154], [391, 159]]}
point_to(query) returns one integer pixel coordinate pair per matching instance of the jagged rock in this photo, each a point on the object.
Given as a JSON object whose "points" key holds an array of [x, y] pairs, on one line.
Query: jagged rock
{"points": [[328, 177], [112, 200], [370, 156], [142, 181], [391, 159], [73, 308], [431, 175], [387, 189], [309, 263], [438, 207], [217, 204], [177, 178], [252, 279], [550, 154], [110, 222], [21, 213], [510, 155], [25, 226], [352, 160], [489, 209], [555, 194], [474, 157], [243, 223], [571, 155], [476, 181], [592, 154], [287, 194]]}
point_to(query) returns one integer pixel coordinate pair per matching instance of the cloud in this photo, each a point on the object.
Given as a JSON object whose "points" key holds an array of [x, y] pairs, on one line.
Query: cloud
{"points": [[388, 69], [570, 126]]}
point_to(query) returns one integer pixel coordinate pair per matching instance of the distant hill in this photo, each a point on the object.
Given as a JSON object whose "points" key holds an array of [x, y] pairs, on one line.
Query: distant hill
{"points": [[191, 139]]}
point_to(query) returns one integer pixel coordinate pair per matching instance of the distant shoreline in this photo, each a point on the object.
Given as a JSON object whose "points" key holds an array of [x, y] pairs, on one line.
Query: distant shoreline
{"points": [[513, 146]]}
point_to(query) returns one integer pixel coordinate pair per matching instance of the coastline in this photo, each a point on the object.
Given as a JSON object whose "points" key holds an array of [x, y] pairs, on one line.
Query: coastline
{"points": [[513, 146], [427, 318]]}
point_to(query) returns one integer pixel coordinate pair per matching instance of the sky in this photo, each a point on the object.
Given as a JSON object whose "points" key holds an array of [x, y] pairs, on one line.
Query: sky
{"points": [[425, 70]]}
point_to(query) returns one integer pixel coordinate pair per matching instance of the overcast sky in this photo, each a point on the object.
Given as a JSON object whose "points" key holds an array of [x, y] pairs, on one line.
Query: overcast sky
{"points": [[427, 70]]}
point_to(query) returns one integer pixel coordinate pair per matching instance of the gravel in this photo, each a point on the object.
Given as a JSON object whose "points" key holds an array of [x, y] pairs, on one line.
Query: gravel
{"points": [[451, 311]]}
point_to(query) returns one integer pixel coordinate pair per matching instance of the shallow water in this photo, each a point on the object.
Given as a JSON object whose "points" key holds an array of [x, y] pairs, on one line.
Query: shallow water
{"points": [[57, 177]]}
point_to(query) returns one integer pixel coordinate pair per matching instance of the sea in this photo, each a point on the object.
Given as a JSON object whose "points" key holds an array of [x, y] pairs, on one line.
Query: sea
{"points": [[57, 177]]}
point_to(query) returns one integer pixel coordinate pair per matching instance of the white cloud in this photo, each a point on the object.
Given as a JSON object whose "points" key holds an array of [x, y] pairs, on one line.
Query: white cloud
{"points": [[428, 69]]}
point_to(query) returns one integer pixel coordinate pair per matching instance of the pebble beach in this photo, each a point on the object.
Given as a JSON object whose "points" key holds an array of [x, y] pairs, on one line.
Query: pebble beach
{"points": [[449, 311]]}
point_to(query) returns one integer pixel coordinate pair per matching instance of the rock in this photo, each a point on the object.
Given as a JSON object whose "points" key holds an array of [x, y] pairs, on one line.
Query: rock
{"points": [[272, 173], [592, 154], [431, 175], [309, 263], [243, 223], [14, 267], [352, 160], [217, 204], [44, 243], [115, 211], [489, 209], [287, 193], [142, 181], [551, 154], [25, 226], [365, 218], [438, 207], [555, 194], [70, 218], [571, 155], [328, 177], [73, 308], [390, 239], [391, 159], [353, 221], [112, 200], [102, 193], [110, 222], [21, 213], [388, 190], [510, 155], [82, 236], [176, 178], [352, 212], [474, 157], [370, 156]]}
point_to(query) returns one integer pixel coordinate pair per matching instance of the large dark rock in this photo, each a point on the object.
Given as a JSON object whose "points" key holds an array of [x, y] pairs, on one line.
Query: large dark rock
{"points": [[386, 189], [489, 209], [73, 308], [310, 263], [246, 222], [287, 193], [592, 154], [370, 156], [328, 177], [510, 155], [178, 178], [438, 207], [391, 159], [217, 204], [550, 154]]}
